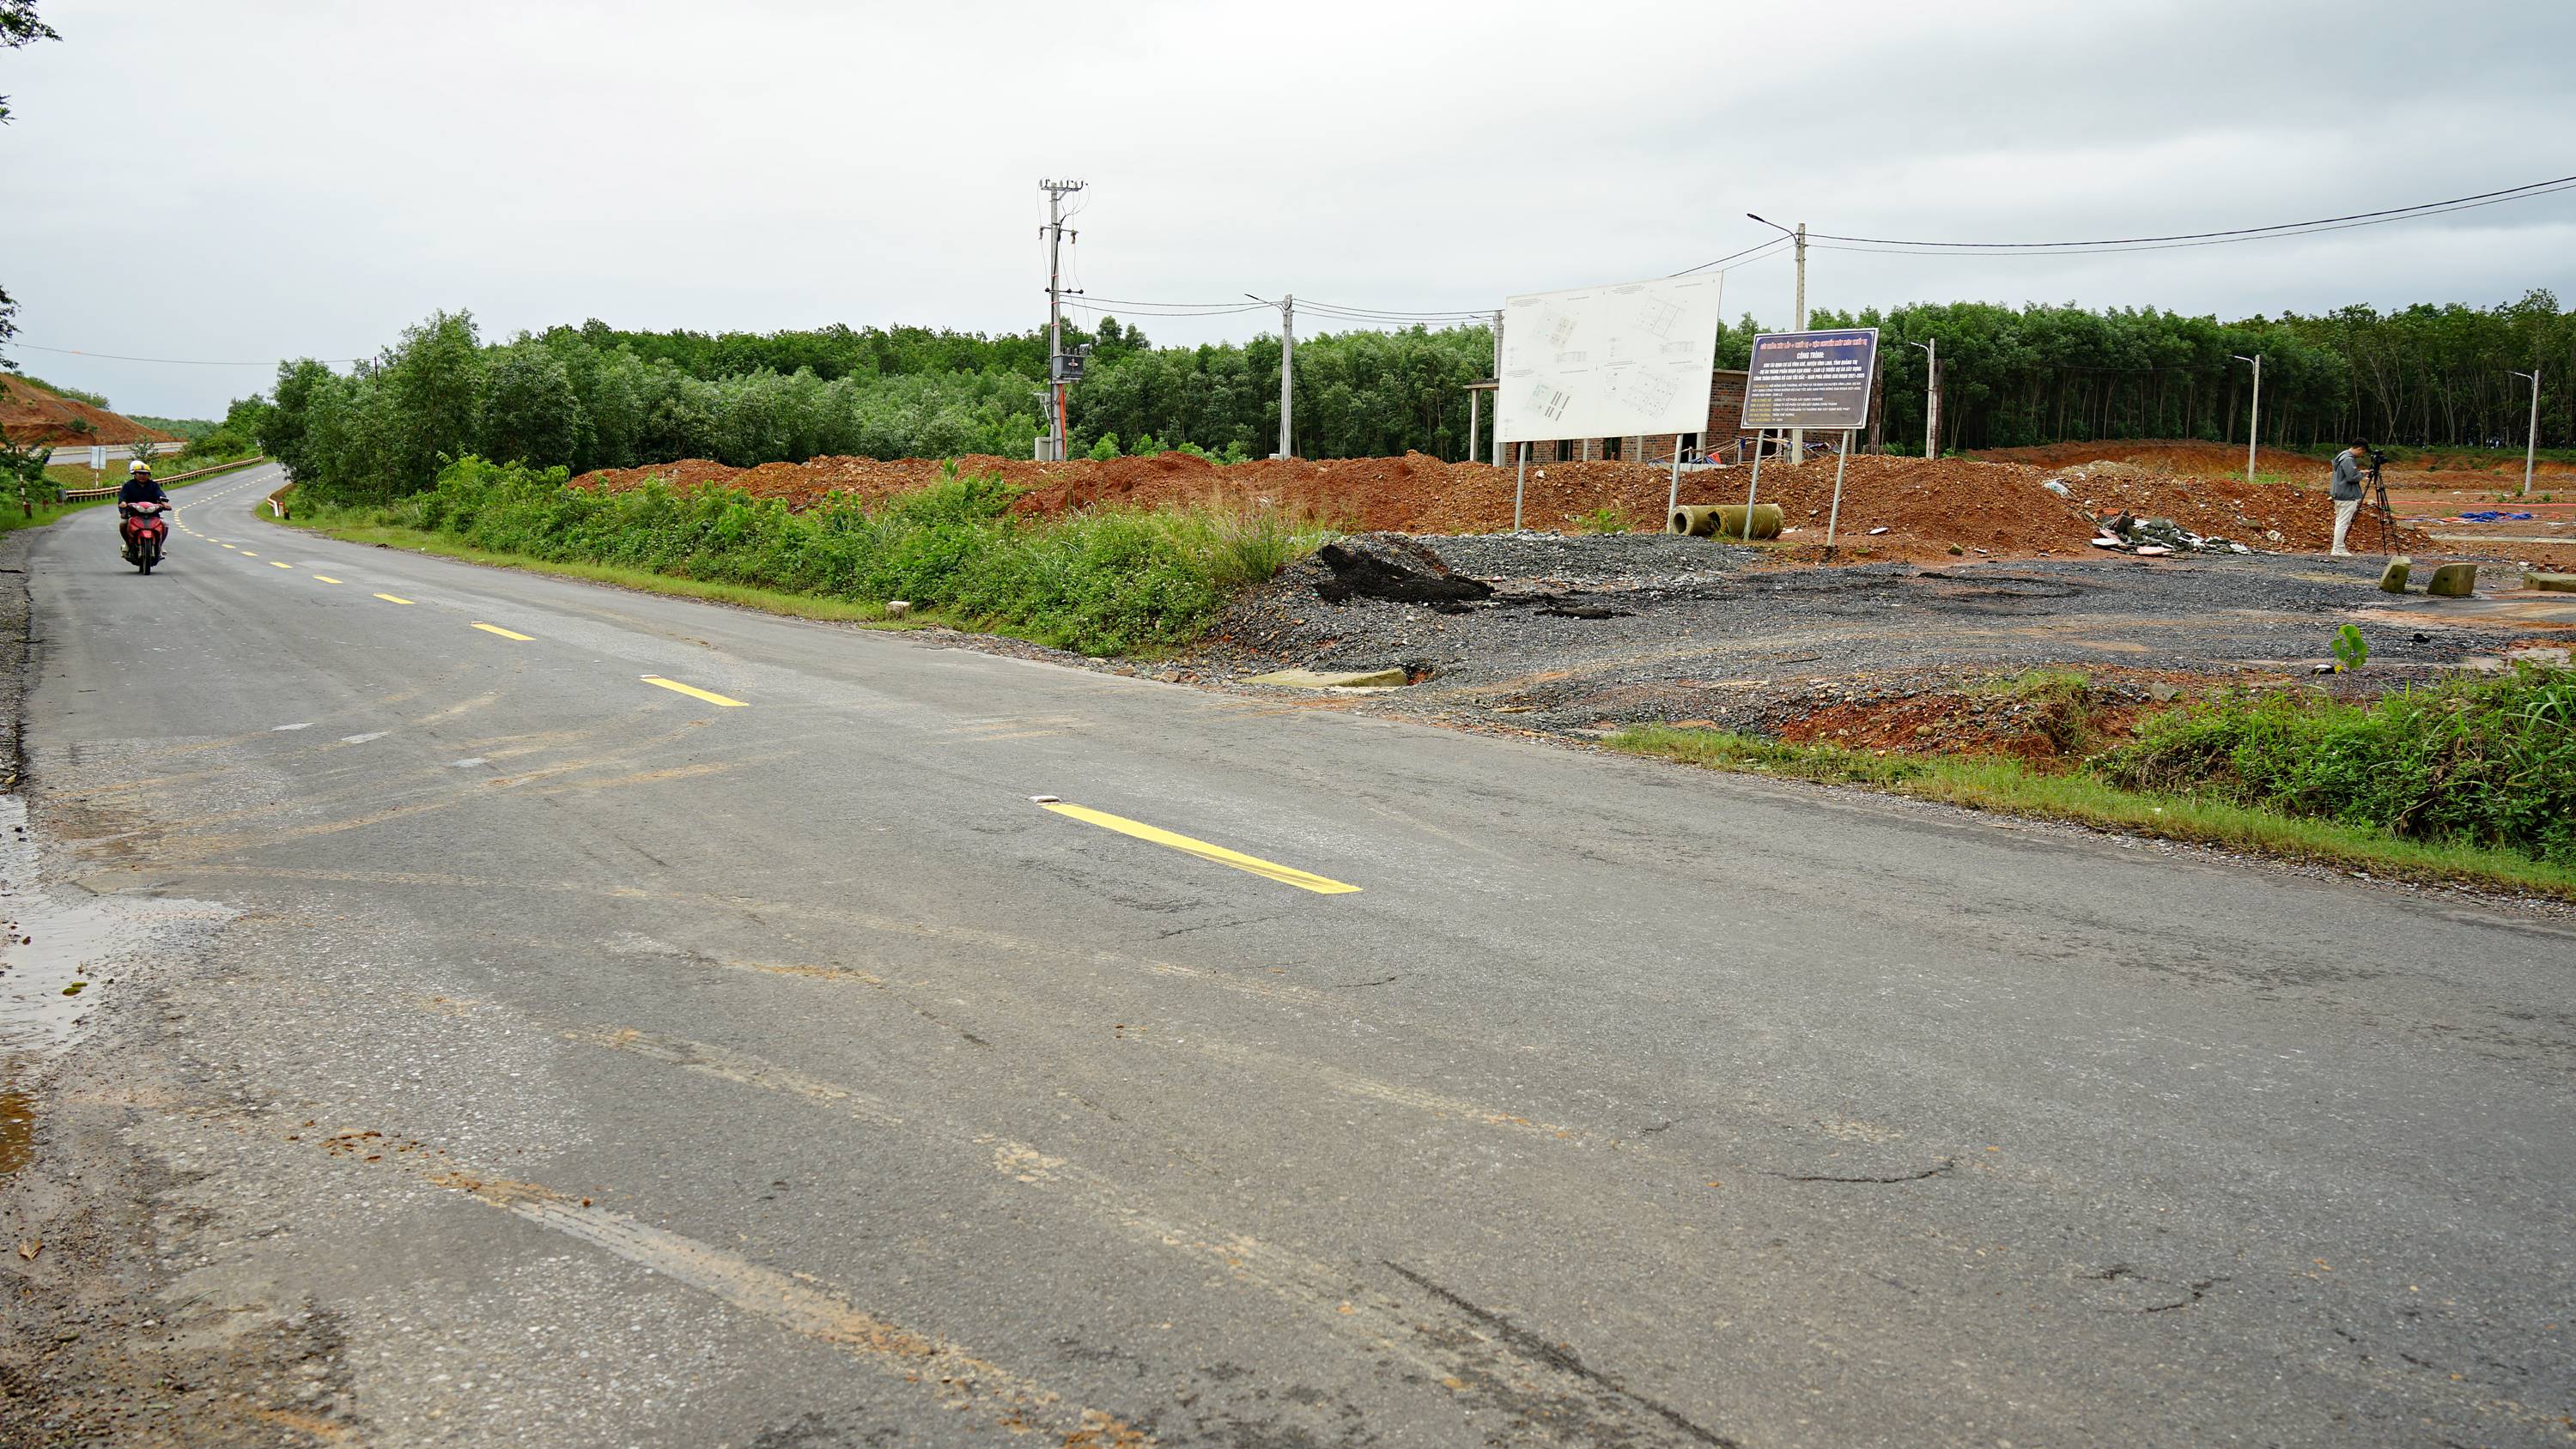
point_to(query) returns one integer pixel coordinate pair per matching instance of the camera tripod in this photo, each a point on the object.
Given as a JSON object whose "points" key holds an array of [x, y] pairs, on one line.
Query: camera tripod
{"points": [[2377, 505]]}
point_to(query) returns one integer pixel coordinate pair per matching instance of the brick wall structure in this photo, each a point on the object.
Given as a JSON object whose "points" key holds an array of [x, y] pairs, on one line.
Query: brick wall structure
{"points": [[1725, 408]]}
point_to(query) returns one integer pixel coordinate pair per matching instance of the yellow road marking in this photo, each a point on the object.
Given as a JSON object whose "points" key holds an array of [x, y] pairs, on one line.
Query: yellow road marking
{"points": [[234, 549], [390, 599], [246, 553], [272, 563], [326, 578], [1285, 875], [694, 692], [504, 633]]}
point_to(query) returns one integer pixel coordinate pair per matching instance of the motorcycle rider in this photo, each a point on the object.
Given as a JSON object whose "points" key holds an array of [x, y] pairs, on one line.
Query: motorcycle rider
{"points": [[140, 487]]}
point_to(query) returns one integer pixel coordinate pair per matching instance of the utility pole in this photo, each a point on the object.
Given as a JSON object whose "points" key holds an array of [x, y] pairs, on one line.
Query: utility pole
{"points": [[1056, 192], [1287, 305], [2254, 415], [1797, 436], [1287, 369], [1931, 398]]}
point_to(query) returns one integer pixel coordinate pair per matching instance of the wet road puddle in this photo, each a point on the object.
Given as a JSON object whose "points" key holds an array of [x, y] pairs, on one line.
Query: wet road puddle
{"points": [[57, 956], [17, 1127]]}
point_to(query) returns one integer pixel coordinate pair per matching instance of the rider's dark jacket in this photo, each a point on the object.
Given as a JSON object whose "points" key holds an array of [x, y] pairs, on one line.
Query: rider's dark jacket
{"points": [[142, 490]]}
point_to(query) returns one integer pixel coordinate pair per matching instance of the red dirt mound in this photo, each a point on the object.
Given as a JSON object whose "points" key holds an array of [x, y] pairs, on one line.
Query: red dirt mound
{"points": [[2165, 455], [1927, 508], [32, 414]]}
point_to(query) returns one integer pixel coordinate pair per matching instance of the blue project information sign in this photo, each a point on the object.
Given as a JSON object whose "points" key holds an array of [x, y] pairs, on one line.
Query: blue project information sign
{"points": [[1811, 379]]}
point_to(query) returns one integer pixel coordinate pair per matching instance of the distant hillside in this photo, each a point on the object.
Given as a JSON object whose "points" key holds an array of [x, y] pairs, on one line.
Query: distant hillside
{"points": [[33, 413]]}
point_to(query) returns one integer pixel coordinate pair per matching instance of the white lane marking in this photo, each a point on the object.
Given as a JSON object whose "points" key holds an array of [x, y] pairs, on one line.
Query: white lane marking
{"points": [[281, 729], [470, 760], [362, 739]]}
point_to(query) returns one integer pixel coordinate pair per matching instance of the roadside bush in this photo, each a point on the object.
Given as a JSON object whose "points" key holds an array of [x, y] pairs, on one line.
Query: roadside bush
{"points": [[2488, 761], [1109, 581]]}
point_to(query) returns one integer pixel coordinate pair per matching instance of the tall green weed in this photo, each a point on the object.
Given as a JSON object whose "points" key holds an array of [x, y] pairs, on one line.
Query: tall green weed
{"points": [[2487, 761], [1103, 582]]}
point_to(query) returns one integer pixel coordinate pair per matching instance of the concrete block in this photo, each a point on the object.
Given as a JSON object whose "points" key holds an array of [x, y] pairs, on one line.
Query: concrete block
{"points": [[2393, 578], [898, 608], [1310, 679], [2552, 583], [2453, 581]]}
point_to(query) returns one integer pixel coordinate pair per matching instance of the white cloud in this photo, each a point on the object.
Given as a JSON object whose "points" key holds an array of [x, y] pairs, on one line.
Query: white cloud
{"points": [[258, 180]]}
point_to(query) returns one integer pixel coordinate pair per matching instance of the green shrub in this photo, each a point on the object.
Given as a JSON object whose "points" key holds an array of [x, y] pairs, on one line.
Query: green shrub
{"points": [[2488, 761]]}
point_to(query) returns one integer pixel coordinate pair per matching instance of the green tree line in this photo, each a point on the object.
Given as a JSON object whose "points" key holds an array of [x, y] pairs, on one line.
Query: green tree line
{"points": [[2422, 376], [594, 396]]}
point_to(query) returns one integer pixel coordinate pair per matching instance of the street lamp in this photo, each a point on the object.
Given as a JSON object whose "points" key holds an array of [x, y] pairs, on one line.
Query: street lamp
{"points": [[1931, 397], [2531, 440], [2254, 415], [1797, 436]]}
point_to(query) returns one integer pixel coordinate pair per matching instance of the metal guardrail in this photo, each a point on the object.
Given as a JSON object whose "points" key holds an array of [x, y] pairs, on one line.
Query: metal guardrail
{"points": [[86, 495]]}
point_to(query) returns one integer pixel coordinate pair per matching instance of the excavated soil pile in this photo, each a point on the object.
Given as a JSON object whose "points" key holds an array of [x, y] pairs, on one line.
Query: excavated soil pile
{"points": [[1927, 509], [2165, 455], [31, 414]]}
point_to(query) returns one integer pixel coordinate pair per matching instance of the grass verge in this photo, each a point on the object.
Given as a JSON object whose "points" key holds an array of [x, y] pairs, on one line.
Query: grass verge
{"points": [[1102, 581], [2010, 787], [774, 601]]}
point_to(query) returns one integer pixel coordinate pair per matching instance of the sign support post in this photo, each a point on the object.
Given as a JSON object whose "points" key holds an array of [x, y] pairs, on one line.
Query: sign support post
{"points": [[1841, 461], [1750, 489], [1673, 494], [1518, 484]]}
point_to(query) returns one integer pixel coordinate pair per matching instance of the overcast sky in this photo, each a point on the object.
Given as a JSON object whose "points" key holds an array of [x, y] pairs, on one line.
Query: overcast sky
{"points": [[246, 181]]}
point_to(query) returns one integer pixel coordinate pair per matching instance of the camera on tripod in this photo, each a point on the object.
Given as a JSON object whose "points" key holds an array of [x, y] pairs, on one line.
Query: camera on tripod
{"points": [[2377, 500]]}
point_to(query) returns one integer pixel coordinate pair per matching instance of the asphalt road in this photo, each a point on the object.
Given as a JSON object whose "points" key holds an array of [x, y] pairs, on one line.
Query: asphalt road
{"points": [[546, 1052]]}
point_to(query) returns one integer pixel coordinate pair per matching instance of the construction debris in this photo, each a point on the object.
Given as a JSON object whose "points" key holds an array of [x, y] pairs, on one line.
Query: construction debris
{"points": [[2155, 537]]}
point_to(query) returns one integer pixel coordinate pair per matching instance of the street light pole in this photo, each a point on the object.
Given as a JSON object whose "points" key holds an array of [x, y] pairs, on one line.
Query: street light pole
{"points": [[1797, 436], [2254, 417], [1931, 398], [2531, 440]]}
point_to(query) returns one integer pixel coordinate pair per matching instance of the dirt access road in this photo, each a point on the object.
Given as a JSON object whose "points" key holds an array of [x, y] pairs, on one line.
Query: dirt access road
{"points": [[517, 1012]]}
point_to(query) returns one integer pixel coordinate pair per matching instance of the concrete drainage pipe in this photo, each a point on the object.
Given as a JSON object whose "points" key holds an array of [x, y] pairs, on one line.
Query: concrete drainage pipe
{"points": [[1700, 520]]}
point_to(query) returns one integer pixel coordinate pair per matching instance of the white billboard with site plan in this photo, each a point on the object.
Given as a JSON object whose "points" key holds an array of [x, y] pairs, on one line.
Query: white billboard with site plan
{"points": [[1608, 362]]}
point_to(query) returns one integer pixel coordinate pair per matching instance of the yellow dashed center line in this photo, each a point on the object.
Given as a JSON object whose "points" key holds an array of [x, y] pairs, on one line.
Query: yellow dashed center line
{"points": [[246, 553], [694, 692], [1271, 870], [504, 633], [272, 563], [390, 599], [326, 578], [231, 547]]}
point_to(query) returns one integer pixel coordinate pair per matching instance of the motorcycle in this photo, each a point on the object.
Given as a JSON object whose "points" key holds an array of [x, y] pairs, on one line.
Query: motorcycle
{"points": [[145, 530]]}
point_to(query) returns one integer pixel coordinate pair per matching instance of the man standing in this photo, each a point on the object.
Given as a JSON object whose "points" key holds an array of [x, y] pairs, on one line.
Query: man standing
{"points": [[2349, 466]]}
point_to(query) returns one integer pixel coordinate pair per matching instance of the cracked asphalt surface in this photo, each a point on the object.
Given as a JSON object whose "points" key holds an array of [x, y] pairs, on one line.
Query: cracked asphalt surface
{"points": [[486, 1043]]}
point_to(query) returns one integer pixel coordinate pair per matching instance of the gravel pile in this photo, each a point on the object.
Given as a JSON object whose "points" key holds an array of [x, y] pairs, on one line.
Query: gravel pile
{"points": [[1582, 633]]}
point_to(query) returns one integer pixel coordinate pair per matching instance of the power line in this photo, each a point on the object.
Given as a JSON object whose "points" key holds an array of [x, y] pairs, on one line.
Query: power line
{"points": [[2213, 238], [171, 361], [1131, 302], [1747, 254], [1391, 312], [1141, 309]]}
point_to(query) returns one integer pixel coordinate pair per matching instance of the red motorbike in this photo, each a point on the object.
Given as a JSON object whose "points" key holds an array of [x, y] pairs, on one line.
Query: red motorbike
{"points": [[145, 529]]}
